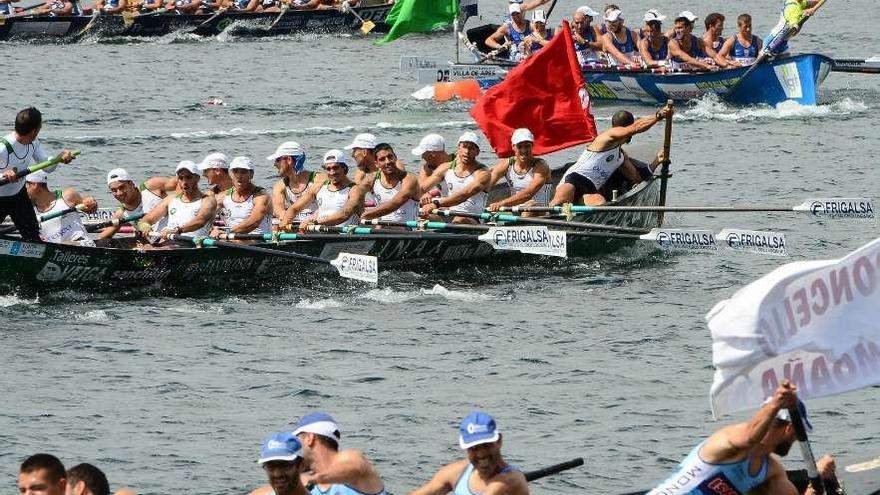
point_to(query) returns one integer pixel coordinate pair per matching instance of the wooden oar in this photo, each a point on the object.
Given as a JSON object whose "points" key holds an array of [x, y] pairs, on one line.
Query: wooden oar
{"points": [[46, 218], [819, 484], [500, 217], [366, 26], [207, 21], [284, 8], [354, 266], [29, 7], [556, 468], [88, 26], [116, 222], [664, 165], [36, 167]]}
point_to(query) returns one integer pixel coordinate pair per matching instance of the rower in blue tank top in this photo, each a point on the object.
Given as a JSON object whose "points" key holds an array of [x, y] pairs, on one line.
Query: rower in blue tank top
{"points": [[282, 460], [744, 47], [619, 41], [480, 439], [686, 50], [6, 8], [511, 34], [654, 45]]}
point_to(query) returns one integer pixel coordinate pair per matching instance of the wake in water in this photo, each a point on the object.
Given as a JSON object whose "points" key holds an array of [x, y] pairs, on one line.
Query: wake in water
{"points": [[712, 108]]}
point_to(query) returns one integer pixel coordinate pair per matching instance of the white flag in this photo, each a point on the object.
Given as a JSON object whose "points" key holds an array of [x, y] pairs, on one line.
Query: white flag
{"points": [[816, 323]]}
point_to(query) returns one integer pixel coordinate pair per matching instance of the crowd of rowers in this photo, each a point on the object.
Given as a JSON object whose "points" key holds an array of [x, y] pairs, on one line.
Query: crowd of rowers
{"points": [[381, 189], [612, 43], [110, 7]]}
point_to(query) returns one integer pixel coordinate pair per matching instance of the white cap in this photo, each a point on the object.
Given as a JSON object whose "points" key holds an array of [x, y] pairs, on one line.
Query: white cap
{"points": [[287, 148], [690, 16], [587, 11], [241, 163], [335, 156], [514, 7], [117, 175], [431, 142], [538, 16], [613, 15], [215, 160], [363, 141], [39, 177], [654, 15], [189, 165], [469, 137], [522, 135]]}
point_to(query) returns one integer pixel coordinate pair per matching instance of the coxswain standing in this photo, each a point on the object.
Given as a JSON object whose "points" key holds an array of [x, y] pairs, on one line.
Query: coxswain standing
{"points": [[281, 459], [583, 180], [396, 191], [619, 42], [189, 212], [511, 34], [588, 43], [527, 176], [654, 45], [466, 182], [69, 228], [215, 168], [432, 149], [340, 200], [290, 160], [745, 46], [244, 207], [484, 470], [793, 12], [134, 200], [17, 151]]}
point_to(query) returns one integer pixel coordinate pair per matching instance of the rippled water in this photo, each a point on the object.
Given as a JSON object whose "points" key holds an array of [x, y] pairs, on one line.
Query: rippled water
{"points": [[606, 358]]}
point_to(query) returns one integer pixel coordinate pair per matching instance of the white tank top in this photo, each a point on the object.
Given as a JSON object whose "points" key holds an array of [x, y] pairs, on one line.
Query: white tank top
{"points": [[597, 165], [517, 183], [408, 211], [330, 202], [454, 183], [234, 212], [68, 228], [291, 197], [181, 213], [149, 200]]}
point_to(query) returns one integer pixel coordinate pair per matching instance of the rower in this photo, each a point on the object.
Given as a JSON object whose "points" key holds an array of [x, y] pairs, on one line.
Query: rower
{"points": [[6, 8], [396, 191], [134, 200], [340, 200], [290, 160], [269, 6], [17, 151], [150, 6], [793, 11], [282, 460], [688, 51], [483, 470], [362, 150], [540, 36], [87, 479], [511, 34], [244, 207], [736, 459], [527, 176], [56, 8], [43, 474], [191, 211], [745, 46], [467, 182], [215, 168], [588, 41], [432, 149], [69, 228], [654, 45], [184, 6], [603, 29], [713, 37], [583, 180], [619, 42], [111, 6], [242, 5]]}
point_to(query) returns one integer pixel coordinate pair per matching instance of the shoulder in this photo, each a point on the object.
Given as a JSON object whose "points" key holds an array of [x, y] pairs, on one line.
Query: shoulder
{"points": [[71, 196], [512, 482], [263, 490], [278, 186], [452, 471]]}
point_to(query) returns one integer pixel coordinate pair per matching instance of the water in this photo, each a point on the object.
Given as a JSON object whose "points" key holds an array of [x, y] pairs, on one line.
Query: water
{"points": [[606, 358]]}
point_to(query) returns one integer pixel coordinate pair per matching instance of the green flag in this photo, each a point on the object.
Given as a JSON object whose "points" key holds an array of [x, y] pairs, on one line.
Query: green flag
{"points": [[419, 16]]}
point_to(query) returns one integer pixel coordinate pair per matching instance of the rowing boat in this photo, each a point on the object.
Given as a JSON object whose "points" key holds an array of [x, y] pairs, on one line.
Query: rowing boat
{"points": [[240, 23]]}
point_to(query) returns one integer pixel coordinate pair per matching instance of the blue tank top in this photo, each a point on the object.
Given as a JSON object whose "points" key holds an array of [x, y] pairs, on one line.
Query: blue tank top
{"points": [[537, 46], [662, 53], [694, 476], [462, 486], [339, 489], [717, 44], [5, 9], [694, 51], [740, 51], [628, 45], [515, 35], [111, 4], [241, 4]]}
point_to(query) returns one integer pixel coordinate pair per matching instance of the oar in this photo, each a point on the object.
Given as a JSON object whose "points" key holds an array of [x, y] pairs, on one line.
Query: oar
{"points": [[870, 66], [421, 225], [819, 484], [664, 165], [547, 16], [500, 217], [116, 222], [29, 7], [366, 26], [46, 218], [88, 26], [556, 468], [354, 266], [863, 466], [209, 20], [284, 8], [36, 167]]}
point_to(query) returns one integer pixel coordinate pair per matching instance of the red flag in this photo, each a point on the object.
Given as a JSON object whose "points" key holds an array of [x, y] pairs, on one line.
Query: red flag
{"points": [[542, 94]]}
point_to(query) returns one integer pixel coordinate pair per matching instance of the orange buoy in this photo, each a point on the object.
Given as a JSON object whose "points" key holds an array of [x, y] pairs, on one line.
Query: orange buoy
{"points": [[469, 89], [444, 91]]}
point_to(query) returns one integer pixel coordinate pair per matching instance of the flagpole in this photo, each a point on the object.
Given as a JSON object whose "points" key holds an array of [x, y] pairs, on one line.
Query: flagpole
{"points": [[455, 29]]}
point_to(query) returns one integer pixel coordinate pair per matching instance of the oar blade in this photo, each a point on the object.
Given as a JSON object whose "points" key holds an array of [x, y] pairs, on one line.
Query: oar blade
{"points": [[863, 466], [367, 26], [529, 239], [753, 241], [682, 240], [357, 267], [838, 208]]}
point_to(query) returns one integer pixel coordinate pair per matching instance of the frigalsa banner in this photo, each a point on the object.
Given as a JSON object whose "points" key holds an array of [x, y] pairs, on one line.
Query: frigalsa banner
{"points": [[816, 323]]}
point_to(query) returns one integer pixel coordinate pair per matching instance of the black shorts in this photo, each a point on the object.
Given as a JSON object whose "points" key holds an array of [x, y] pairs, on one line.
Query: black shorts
{"points": [[582, 185], [19, 207]]}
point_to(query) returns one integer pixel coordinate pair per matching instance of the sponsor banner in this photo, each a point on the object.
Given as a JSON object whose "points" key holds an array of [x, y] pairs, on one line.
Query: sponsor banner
{"points": [[838, 207], [790, 80], [753, 241], [531, 239], [357, 266], [411, 65], [682, 91], [460, 73], [101, 215], [682, 240], [19, 248]]}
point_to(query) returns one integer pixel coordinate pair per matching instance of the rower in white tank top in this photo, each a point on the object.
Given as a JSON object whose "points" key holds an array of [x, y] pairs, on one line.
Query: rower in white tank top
{"points": [[234, 212], [330, 202], [454, 183], [409, 210], [291, 197], [68, 228], [597, 166], [517, 182], [181, 213], [150, 200]]}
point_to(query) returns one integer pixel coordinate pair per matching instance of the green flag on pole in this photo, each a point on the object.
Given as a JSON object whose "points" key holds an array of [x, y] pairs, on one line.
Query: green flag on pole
{"points": [[419, 16]]}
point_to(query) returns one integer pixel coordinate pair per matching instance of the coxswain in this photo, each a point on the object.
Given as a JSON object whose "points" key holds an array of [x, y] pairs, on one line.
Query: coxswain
{"points": [[190, 211], [133, 199], [714, 35], [688, 51], [619, 42], [583, 180], [18, 150], [743, 48], [215, 168], [281, 459], [60, 8], [654, 45], [42, 474], [737, 458], [793, 12], [396, 191], [466, 182], [527, 176], [69, 228], [432, 149], [111, 6], [483, 470], [245, 207], [588, 43], [511, 34], [339, 199], [290, 160], [540, 36]]}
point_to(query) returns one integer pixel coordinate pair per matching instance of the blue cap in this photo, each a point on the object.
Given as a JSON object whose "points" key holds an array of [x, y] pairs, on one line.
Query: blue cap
{"points": [[477, 428], [319, 423], [280, 447], [783, 415]]}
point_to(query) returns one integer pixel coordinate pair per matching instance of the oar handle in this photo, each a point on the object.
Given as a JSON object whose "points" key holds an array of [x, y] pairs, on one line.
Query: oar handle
{"points": [[556, 468], [800, 432], [36, 167]]}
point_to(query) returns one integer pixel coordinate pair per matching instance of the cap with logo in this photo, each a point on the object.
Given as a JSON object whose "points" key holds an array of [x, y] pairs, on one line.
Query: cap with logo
{"points": [[188, 165], [335, 156], [38, 177], [654, 15], [241, 163], [363, 141], [613, 15], [522, 135], [215, 160], [784, 415], [587, 11], [319, 423], [117, 175], [431, 142], [280, 447], [687, 14], [538, 16], [515, 8], [287, 148], [476, 429], [469, 137]]}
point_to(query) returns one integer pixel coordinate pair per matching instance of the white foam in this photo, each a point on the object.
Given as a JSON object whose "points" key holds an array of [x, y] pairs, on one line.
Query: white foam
{"points": [[13, 300], [455, 295], [94, 315], [388, 295], [318, 304], [712, 108]]}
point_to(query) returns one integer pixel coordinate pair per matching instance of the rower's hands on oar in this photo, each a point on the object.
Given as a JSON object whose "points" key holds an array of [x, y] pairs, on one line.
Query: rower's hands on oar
{"points": [[67, 156], [665, 111], [785, 396], [9, 175], [826, 467], [90, 205]]}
